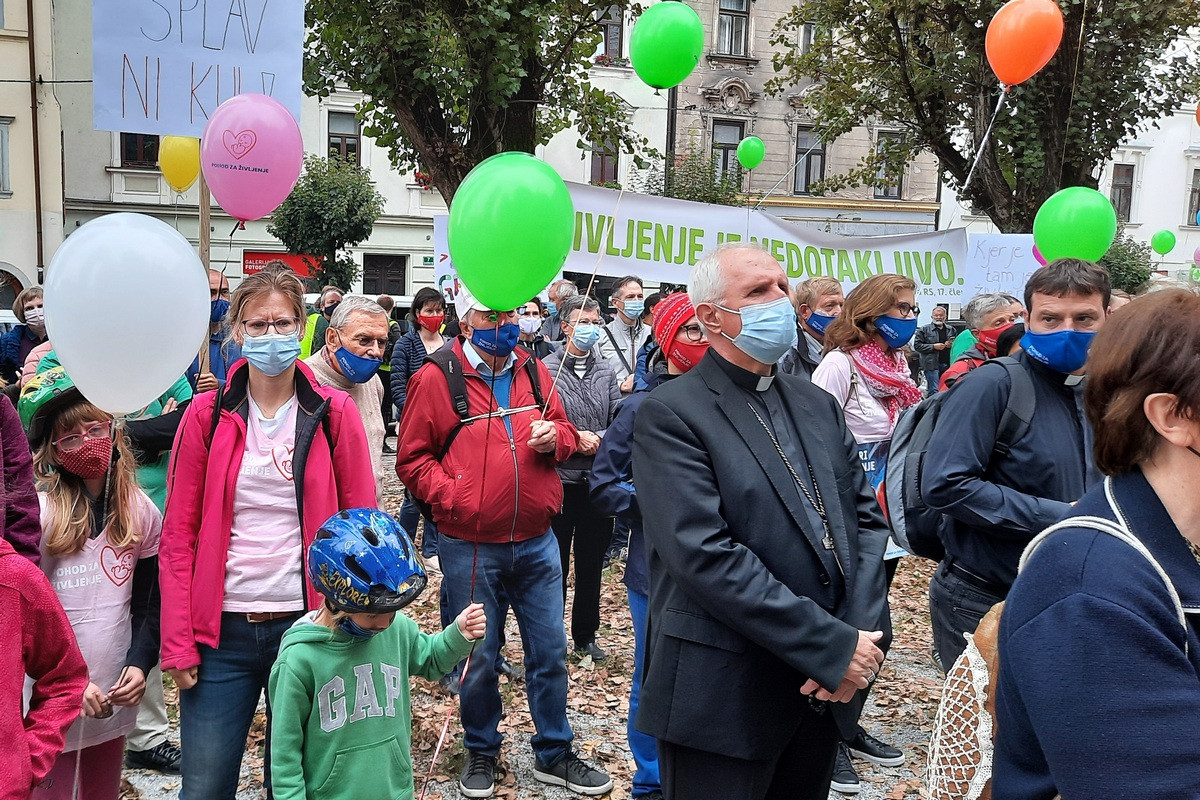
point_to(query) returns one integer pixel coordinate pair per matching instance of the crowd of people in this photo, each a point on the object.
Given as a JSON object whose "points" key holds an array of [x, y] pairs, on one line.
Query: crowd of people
{"points": [[730, 444]]}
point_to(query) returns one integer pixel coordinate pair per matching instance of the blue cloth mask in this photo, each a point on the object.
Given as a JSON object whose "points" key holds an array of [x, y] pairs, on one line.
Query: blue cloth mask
{"points": [[498, 341], [219, 308], [634, 308], [354, 630], [1061, 351], [356, 368], [818, 322], [768, 330], [552, 307], [586, 335], [271, 353], [896, 331]]}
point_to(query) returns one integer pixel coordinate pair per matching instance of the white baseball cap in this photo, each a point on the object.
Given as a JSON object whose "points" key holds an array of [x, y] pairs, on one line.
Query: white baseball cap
{"points": [[465, 302]]}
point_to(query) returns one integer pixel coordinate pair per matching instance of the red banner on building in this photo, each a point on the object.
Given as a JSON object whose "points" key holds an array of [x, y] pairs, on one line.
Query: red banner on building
{"points": [[254, 261]]}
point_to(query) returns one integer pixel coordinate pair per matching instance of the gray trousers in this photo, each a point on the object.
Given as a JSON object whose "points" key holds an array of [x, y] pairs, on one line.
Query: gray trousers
{"points": [[152, 724]]}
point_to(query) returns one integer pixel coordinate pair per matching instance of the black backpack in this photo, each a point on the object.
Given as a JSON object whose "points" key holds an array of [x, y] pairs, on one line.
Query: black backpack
{"points": [[915, 526]]}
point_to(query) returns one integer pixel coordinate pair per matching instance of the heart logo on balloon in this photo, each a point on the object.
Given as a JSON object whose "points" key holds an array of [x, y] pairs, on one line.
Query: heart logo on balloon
{"points": [[117, 566], [239, 144]]}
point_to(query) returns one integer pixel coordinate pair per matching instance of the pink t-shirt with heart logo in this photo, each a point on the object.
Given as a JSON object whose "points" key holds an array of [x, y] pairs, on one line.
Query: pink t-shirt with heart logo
{"points": [[95, 587]]}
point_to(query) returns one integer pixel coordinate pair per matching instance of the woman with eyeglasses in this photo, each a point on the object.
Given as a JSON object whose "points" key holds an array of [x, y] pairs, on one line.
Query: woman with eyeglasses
{"points": [[867, 374], [257, 466], [531, 337]]}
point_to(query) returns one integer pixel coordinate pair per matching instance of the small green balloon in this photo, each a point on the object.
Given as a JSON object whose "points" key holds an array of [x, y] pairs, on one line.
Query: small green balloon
{"points": [[510, 229], [1077, 222], [751, 151], [666, 44], [1163, 242]]}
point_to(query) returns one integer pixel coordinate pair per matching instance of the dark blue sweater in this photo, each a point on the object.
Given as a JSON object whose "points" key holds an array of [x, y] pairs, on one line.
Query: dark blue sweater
{"points": [[1097, 697]]}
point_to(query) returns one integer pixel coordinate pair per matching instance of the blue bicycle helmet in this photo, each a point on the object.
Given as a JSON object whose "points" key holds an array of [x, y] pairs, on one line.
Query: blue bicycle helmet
{"points": [[362, 561]]}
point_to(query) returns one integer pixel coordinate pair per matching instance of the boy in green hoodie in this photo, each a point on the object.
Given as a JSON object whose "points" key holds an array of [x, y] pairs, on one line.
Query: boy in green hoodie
{"points": [[341, 722]]}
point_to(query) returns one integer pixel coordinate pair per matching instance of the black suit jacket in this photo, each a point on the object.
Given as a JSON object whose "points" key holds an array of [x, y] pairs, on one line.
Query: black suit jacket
{"points": [[741, 612]]}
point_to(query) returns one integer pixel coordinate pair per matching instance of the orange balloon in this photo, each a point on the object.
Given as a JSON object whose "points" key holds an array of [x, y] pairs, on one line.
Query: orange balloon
{"points": [[1198, 115], [1022, 38]]}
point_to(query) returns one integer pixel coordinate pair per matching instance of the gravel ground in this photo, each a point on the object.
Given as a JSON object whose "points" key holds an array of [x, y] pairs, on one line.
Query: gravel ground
{"points": [[900, 711]]}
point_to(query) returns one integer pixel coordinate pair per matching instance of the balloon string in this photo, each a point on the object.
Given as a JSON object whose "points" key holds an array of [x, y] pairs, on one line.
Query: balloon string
{"points": [[986, 136], [1074, 81]]}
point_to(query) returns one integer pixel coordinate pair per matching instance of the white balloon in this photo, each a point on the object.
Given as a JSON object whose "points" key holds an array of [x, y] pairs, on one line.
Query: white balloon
{"points": [[127, 309]]}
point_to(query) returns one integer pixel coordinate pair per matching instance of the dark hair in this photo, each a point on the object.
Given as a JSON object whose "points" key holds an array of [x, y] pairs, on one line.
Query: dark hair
{"points": [[1152, 346], [653, 299], [424, 295], [1069, 276], [624, 280], [1006, 341], [538, 300]]}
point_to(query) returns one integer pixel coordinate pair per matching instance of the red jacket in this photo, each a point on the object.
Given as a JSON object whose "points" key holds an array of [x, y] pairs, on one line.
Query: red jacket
{"points": [[332, 469], [490, 487], [35, 639]]}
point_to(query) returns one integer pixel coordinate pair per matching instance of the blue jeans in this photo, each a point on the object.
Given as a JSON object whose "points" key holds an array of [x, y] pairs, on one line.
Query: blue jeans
{"points": [[643, 747], [409, 516], [530, 577], [932, 378], [215, 714]]}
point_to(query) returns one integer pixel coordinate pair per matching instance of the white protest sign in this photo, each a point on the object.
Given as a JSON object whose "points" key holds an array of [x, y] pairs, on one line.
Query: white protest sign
{"points": [[999, 262], [163, 66]]}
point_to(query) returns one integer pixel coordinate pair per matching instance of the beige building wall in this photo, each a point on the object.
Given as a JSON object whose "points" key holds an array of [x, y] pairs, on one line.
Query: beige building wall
{"points": [[728, 88]]}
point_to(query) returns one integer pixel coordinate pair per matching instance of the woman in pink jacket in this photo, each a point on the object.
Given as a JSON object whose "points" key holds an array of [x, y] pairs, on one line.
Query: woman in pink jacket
{"points": [[256, 468]]}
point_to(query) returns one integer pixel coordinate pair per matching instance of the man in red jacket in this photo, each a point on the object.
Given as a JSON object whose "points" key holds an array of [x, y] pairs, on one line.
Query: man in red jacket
{"points": [[492, 487], [36, 640]]}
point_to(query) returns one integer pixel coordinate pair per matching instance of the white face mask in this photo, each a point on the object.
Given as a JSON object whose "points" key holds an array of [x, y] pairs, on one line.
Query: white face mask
{"points": [[529, 325], [36, 317]]}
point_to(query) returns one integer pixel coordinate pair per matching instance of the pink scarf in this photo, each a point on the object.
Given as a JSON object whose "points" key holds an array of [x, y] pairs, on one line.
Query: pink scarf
{"points": [[886, 377]]}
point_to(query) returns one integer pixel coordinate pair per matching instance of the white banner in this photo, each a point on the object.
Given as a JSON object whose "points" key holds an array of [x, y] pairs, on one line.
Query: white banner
{"points": [[163, 67], [999, 262]]}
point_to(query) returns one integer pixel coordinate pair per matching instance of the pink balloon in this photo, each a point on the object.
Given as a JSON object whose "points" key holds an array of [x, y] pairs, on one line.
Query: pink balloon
{"points": [[1196, 255], [251, 154], [1041, 259]]}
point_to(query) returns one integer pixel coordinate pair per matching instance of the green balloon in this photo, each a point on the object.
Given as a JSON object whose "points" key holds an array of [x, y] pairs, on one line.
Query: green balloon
{"points": [[666, 44], [510, 230], [751, 152], [1163, 242], [1075, 223]]}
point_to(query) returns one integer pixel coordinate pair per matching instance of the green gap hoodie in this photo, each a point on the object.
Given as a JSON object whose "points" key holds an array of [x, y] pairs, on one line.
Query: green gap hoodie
{"points": [[341, 718]]}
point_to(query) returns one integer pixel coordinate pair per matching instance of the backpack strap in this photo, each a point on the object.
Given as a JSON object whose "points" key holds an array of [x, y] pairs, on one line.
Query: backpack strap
{"points": [[1018, 414], [535, 383], [617, 348], [216, 414]]}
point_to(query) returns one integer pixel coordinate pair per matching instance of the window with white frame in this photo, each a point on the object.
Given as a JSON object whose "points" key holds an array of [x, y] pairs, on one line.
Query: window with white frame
{"points": [[612, 28], [1121, 193], [733, 27], [808, 36], [606, 163], [888, 187], [1194, 199], [810, 159], [726, 137], [345, 138], [5, 170]]}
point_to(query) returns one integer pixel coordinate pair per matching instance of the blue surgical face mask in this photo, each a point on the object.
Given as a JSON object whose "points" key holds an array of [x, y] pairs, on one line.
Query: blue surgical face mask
{"points": [[552, 307], [818, 322], [768, 330], [634, 308], [896, 331], [356, 368], [498, 341], [1061, 351], [271, 353], [353, 629], [219, 308], [586, 335]]}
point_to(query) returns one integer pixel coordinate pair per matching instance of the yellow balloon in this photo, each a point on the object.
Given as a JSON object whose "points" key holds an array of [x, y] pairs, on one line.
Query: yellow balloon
{"points": [[179, 160]]}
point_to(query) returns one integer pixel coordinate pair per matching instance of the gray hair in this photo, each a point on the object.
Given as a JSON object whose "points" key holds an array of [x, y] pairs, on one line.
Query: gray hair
{"points": [[351, 304], [622, 282], [707, 284], [562, 289], [577, 302], [981, 305]]}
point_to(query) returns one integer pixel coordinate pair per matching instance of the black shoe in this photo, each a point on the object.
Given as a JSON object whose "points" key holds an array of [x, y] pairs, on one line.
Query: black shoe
{"points": [[388, 450], [509, 670], [478, 778], [591, 649], [575, 774], [655, 795], [163, 758], [451, 684], [845, 779], [864, 745]]}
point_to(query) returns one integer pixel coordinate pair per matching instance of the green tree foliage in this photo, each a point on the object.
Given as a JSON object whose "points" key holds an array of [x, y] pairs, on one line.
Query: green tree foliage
{"points": [[918, 66], [447, 83], [1128, 261], [333, 206], [693, 175]]}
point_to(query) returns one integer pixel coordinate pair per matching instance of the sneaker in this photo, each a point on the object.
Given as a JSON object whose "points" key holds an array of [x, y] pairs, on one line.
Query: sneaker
{"points": [[591, 649], [513, 672], [655, 795], [575, 774], [864, 745], [388, 450], [845, 779], [163, 758], [478, 778], [433, 565], [451, 684]]}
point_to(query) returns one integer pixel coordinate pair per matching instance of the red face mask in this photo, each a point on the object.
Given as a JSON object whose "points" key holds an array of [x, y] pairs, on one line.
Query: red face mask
{"points": [[987, 339], [685, 355], [89, 461], [432, 323]]}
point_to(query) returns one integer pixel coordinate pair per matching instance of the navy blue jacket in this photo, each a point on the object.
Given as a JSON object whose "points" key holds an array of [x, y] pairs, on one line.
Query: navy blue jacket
{"points": [[407, 357], [11, 359], [1096, 695], [222, 355], [996, 509], [611, 480]]}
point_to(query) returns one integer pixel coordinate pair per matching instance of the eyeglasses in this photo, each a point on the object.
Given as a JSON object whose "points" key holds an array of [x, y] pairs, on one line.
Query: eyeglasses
{"points": [[496, 316], [101, 430], [694, 333], [284, 325], [907, 308]]}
